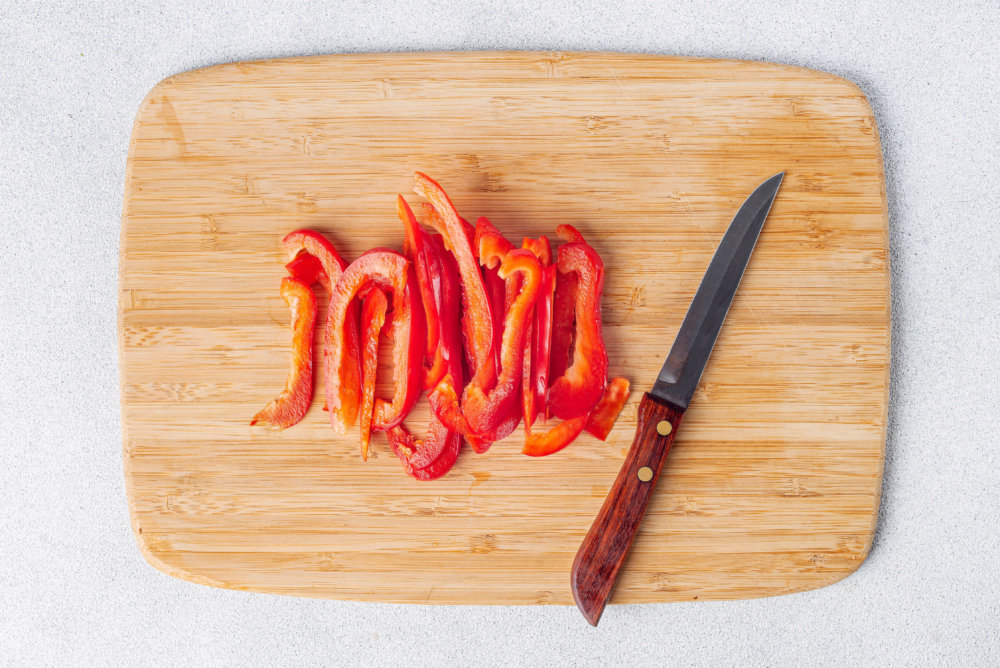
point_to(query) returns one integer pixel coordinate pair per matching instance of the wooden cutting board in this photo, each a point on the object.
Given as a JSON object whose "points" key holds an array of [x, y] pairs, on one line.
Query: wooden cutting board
{"points": [[773, 483]]}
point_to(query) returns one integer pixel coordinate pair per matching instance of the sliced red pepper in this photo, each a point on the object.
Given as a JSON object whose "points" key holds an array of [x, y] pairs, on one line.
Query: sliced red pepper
{"points": [[372, 319], [433, 456], [428, 267], [408, 332], [315, 244], [579, 388], [318, 246], [606, 412], [481, 442], [388, 271], [569, 233], [307, 268], [538, 345], [542, 350], [563, 323], [433, 219], [412, 452], [485, 408], [290, 406], [500, 293], [477, 325], [540, 444], [527, 374]]}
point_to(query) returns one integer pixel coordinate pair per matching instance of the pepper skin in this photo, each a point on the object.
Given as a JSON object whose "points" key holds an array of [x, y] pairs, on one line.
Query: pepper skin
{"points": [[606, 412], [579, 388], [391, 272], [373, 311], [290, 406]]}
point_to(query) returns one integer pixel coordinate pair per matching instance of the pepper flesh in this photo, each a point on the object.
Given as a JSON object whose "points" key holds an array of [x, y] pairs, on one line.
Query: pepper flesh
{"points": [[372, 320], [313, 243], [538, 346], [388, 271], [433, 456], [477, 316], [307, 268], [290, 406], [539, 444], [428, 270], [606, 412], [408, 332], [485, 408], [579, 388]]}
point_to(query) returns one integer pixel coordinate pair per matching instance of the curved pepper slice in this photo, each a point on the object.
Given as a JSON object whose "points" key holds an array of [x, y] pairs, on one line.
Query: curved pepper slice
{"points": [[605, 413], [433, 456], [579, 388], [388, 271], [372, 320], [290, 406], [307, 268], [408, 332], [318, 246], [563, 322], [500, 293], [305, 242], [538, 346], [428, 269], [412, 452], [486, 408], [540, 444], [477, 319]]}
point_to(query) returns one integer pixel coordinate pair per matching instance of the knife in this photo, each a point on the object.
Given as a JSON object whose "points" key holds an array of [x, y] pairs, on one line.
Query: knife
{"points": [[603, 551]]}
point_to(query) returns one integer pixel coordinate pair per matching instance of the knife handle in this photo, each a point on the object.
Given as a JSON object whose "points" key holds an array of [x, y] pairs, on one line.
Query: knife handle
{"points": [[603, 551]]}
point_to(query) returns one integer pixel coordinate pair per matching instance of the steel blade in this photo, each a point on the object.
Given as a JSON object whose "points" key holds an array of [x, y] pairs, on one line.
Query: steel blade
{"points": [[681, 372]]}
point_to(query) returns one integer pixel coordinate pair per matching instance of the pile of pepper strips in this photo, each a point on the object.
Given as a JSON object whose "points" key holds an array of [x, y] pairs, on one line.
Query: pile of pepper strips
{"points": [[493, 333]]}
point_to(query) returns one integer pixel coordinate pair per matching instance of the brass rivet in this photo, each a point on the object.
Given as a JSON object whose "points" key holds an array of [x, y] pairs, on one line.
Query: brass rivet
{"points": [[663, 427], [645, 474]]}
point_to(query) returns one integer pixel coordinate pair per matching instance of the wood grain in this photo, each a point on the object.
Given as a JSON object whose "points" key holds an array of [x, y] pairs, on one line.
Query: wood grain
{"points": [[773, 482]]}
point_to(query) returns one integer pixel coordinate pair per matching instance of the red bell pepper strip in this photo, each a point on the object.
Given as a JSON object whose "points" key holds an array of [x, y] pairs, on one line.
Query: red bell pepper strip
{"points": [[290, 406], [606, 412], [579, 388], [568, 233], [477, 317], [527, 373], [428, 267], [540, 444], [318, 246], [408, 332], [433, 219], [481, 442], [307, 268], [372, 319], [563, 323], [563, 312], [500, 293], [315, 244], [485, 408], [388, 271], [537, 383], [433, 456], [413, 453]]}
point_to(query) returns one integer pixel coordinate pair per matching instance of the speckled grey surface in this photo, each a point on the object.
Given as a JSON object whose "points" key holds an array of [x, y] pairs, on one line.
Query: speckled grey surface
{"points": [[73, 586]]}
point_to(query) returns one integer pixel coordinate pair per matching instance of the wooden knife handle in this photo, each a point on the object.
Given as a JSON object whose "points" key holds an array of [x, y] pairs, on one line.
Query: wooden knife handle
{"points": [[603, 551]]}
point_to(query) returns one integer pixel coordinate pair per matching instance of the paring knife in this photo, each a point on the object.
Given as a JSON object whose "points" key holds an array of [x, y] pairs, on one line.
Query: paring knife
{"points": [[603, 551]]}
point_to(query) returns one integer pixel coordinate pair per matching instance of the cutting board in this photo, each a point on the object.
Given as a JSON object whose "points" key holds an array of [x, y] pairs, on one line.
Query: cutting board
{"points": [[773, 483]]}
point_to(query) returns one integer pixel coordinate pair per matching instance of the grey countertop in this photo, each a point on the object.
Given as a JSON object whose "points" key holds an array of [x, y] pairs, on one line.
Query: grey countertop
{"points": [[73, 586]]}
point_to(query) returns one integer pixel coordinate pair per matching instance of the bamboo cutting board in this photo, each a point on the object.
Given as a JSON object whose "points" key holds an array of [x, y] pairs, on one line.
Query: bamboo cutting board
{"points": [[773, 483]]}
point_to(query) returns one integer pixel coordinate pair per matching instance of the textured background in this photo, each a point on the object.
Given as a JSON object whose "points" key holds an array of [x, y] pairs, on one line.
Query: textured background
{"points": [[73, 586]]}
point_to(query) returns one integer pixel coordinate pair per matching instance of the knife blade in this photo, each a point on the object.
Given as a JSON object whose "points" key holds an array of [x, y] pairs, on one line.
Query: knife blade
{"points": [[603, 551]]}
